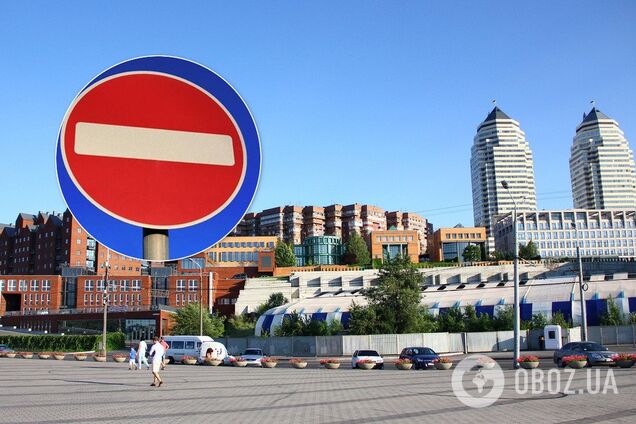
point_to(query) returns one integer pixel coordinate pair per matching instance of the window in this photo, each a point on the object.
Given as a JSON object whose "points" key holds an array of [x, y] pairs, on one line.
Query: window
{"points": [[193, 285], [189, 345], [23, 285], [180, 285], [124, 285], [34, 285], [136, 285], [88, 285], [1, 286], [11, 285], [100, 285], [79, 241], [46, 285]]}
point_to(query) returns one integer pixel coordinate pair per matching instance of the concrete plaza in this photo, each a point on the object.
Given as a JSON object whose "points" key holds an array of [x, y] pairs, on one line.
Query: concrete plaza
{"points": [[52, 392]]}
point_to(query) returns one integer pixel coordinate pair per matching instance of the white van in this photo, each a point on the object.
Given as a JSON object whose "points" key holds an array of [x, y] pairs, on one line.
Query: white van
{"points": [[217, 351], [180, 346]]}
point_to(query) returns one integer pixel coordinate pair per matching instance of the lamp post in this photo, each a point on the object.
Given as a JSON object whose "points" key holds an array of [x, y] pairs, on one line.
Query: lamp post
{"points": [[517, 314], [200, 295], [582, 289], [105, 301]]}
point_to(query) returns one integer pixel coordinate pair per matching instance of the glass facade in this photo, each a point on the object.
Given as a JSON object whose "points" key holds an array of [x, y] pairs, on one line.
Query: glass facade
{"points": [[319, 250]]}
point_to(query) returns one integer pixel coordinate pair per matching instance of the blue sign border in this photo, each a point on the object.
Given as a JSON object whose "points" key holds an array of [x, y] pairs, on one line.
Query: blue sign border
{"points": [[126, 238]]}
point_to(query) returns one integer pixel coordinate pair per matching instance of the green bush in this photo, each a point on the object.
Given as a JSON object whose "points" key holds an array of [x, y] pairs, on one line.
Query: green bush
{"points": [[71, 343]]}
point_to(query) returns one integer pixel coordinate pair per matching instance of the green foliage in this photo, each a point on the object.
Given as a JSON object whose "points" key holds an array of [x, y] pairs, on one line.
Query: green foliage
{"points": [[284, 254], [187, 322], [434, 264], [504, 320], [71, 343], [472, 253], [475, 322], [501, 256], [295, 325], [356, 251], [631, 319], [275, 300], [376, 263], [559, 319], [613, 316], [362, 320], [239, 326], [538, 322], [451, 320], [528, 251]]}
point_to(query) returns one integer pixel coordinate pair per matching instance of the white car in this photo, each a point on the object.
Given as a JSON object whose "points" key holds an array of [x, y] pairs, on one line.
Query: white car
{"points": [[253, 356], [361, 355]]}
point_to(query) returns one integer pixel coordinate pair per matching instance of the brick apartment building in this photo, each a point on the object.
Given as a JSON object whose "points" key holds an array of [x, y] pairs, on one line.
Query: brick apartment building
{"points": [[295, 223]]}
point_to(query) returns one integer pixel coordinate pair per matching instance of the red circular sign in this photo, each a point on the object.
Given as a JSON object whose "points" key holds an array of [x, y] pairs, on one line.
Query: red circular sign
{"points": [[153, 150]]}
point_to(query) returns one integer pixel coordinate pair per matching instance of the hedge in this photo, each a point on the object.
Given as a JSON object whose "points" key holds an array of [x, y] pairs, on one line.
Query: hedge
{"points": [[71, 343]]}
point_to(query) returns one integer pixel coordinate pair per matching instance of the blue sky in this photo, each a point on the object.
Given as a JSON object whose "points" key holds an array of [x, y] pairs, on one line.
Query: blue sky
{"points": [[359, 101]]}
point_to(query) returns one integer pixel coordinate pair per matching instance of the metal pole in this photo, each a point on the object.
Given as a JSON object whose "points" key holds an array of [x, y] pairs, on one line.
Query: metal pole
{"points": [[200, 300], [155, 244], [105, 302], [517, 314], [582, 297]]}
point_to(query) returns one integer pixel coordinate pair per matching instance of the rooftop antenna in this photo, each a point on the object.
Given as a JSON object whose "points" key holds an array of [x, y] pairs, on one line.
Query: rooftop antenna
{"points": [[593, 103], [494, 102]]}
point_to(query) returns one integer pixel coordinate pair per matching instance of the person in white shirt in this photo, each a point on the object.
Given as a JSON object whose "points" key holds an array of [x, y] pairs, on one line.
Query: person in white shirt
{"points": [[156, 353], [141, 355]]}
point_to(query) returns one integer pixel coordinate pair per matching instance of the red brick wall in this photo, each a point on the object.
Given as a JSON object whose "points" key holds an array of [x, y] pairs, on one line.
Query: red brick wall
{"points": [[122, 293], [34, 298]]}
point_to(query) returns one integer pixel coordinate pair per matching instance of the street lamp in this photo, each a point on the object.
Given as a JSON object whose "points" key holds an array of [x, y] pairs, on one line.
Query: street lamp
{"points": [[200, 295], [517, 314], [105, 301]]}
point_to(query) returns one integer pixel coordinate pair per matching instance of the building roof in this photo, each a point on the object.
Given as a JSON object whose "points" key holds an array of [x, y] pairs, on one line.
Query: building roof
{"points": [[494, 114], [27, 216], [594, 115]]}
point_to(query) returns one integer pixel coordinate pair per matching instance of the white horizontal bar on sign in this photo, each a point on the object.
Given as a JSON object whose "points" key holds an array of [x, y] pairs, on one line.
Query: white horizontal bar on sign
{"points": [[118, 141]]}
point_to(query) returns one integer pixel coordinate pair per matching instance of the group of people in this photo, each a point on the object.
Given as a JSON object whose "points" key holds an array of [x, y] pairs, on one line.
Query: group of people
{"points": [[157, 355]]}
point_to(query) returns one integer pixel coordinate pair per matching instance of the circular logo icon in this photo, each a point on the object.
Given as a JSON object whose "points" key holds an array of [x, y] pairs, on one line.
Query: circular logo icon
{"points": [[478, 381]]}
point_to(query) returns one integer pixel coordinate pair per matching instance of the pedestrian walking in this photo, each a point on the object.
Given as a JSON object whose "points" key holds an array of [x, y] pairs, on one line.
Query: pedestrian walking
{"points": [[132, 359], [141, 355], [156, 354]]}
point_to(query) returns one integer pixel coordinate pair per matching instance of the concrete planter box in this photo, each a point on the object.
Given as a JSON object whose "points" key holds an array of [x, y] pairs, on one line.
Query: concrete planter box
{"points": [[443, 365], [213, 362], [404, 367], [11, 355], [240, 363], [624, 364], [59, 357], [577, 364], [269, 364], [299, 365], [529, 365], [80, 357], [119, 359], [99, 358], [44, 356], [26, 355], [189, 361], [332, 366], [365, 366]]}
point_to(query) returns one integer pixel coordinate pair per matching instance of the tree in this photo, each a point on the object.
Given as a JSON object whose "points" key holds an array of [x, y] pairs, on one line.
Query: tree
{"points": [[396, 297], [284, 254], [613, 316], [187, 322], [476, 322], [559, 319], [292, 325], [356, 251], [362, 319], [538, 322], [275, 300], [528, 251], [451, 320], [472, 253], [239, 326], [504, 320]]}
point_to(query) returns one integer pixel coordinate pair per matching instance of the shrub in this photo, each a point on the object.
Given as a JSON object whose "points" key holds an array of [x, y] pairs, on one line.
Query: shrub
{"points": [[528, 358], [442, 360], [71, 343], [187, 358], [119, 355], [329, 361], [297, 361], [567, 359], [403, 361], [624, 357], [365, 361], [269, 359]]}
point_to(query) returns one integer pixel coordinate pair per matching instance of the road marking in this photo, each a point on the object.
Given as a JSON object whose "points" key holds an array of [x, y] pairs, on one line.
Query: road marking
{"points": [[117, 141]]}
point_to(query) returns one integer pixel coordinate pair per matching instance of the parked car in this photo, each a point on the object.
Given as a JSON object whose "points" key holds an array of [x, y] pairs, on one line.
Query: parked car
{"points": [[180, 346], [5, 348], [359, 355], [596, 353], [422, 357], [253, 356]]}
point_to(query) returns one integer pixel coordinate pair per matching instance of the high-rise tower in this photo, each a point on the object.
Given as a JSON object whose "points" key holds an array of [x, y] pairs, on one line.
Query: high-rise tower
{"points": [[500, 152], [602, 165]]}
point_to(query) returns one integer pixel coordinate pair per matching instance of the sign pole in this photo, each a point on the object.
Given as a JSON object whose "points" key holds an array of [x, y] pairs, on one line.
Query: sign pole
{"points": [[105, 302], [155, 244], [582, 296]]}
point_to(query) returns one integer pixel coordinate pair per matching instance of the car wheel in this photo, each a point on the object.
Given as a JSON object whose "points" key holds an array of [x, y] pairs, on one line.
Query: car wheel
{"points": [[381, 367], [171, 360], [559, 363]]}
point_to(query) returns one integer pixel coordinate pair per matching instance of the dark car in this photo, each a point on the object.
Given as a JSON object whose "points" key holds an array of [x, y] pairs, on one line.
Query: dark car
{"points": [[422, 357], [596, 353]]}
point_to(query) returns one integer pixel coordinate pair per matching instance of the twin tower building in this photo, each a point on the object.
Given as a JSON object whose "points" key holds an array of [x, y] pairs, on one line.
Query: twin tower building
{"points": [[602, 170]]}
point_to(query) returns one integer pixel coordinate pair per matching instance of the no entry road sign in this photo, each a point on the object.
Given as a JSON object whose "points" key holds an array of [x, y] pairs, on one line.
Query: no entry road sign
{"points": [[158, 144]]}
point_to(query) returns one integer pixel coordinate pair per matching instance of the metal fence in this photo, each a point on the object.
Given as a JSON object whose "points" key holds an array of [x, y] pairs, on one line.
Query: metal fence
{"points": [[392, 344]]}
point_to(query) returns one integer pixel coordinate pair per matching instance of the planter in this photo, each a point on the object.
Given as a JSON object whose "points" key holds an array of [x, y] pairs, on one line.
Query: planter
{"points": [[299, 365], [487, 365], [444, 365], [59, 357], [44, 356], [119, 359], [404, 367], [213, 362], [26, 355], [577, 364], [269, 364], [11, 355], [99, 358], [529, 365], [624, 364], [332, 365], [80, 357], [240, 363], [189, 361], [365, 366]]}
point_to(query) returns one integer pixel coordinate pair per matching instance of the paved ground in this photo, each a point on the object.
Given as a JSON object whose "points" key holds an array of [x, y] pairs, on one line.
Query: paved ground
{"points": [[52, 392]]}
